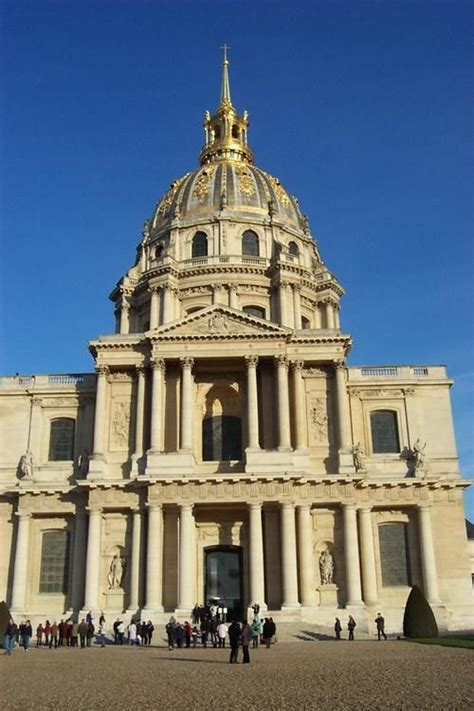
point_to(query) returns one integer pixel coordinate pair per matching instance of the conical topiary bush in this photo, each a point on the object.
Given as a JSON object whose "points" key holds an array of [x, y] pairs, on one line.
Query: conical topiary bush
{"points": [[418, 620]]}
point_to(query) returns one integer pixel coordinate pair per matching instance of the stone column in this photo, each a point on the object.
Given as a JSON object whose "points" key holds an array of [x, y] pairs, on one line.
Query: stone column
{"points": [[305, 547], [428, 560], [329, 309], [124, 316], [100, 404], [342, 408], [156, 431], [217, 294], [300, 405], [186, 593], [91, 597], [134, 603], [284, 436], [78, 560], [289, 569], [351, 552], [252, 402], [233, 297], [154, 559], [154, 308], [317, 316], [337, 321], [367, 556], [168, 303], [186, 404], [283, 304], [297, 305], [20, 572], [257, 570], [139, 412]]}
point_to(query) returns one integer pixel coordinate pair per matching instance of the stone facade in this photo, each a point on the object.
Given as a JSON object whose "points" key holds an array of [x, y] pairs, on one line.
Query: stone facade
{"points": [[228, 340]]}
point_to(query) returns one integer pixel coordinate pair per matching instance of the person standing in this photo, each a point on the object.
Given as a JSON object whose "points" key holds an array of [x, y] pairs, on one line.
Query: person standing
{"points": [[10, 634], [338, 628], [222, 630], [39, 635], [255, 632], [82, 629], [120, 632], [132, 633], [246, 637], [54, 636], [102, 632], [234, 639], [75, 634], [267, 632], [26, 632], [380, 622], [90, 633], [188, 631], [47, 633], [149, 631], [170, 633], [351, 625]]}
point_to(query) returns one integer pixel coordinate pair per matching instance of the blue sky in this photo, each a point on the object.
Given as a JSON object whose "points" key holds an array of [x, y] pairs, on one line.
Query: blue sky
{"points": [[364, 110]]}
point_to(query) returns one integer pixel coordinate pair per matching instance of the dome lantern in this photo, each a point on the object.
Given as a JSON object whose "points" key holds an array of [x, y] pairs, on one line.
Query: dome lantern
{"points": [[225, 130]]}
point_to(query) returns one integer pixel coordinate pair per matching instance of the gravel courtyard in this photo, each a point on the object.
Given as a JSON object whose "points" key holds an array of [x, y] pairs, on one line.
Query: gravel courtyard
{"points": [[310, 674]]}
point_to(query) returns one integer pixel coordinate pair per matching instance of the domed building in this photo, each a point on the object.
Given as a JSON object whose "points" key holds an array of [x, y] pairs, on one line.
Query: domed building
{"points": [[223, 450]]}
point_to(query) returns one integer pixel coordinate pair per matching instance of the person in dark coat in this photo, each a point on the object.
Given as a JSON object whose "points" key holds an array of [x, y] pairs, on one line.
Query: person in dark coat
{"points": [[246, 637], [26, 633], [170, 633], [267, 632], [10, 635], [149, 631], [351, 625], [380, 622], [337, 628], [234, 639], [204, 630]]}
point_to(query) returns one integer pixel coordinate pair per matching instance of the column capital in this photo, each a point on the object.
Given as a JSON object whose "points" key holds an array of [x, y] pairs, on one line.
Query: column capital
{"points": [[297, 366], [135, 510], [102, 369], [186, 507], [287, 505], [154, 289], [339, 365], [23, 514], [281, 361], [296, 287], [304, 507], [140, 370], [423, 505], [94, 510], [365, 509], [158, 364], [154, 507], [232, 288], [349, 506], [255, 504], [187, 362], [251, 361]]}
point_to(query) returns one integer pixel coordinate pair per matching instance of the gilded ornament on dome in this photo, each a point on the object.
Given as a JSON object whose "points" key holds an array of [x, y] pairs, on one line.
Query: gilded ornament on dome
{"points": [[280, 192], [168, 198], [201, 188], [246, 184]]}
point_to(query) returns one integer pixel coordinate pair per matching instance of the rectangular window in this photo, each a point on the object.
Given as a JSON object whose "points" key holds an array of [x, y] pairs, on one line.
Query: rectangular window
{"points": [[54, 562], [61, 440], [394, 554], [383, 424]]}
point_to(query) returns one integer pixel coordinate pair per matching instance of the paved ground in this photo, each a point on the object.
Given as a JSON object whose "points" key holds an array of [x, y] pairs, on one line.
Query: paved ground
{"points": [[311, 674]]}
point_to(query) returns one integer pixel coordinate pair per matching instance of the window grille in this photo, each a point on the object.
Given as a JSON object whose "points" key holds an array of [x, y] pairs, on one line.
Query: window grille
{"points": [[384, 427], [54, 562], [61, 440], [394, 557]]}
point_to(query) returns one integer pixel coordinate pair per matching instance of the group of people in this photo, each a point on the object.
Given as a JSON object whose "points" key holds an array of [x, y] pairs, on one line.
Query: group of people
{"points": [[351, 625]]}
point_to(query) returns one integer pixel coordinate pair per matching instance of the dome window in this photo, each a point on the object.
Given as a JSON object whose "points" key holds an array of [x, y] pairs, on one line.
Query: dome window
{"points": [[250, 245], [254, 311], [293, 249], [159, 251], [305, 323], [235, 132], [199, 247], [217, 132]]}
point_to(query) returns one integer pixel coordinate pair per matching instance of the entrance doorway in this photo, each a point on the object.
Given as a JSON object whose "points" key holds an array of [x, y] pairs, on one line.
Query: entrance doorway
{"points": [[224, 579]]}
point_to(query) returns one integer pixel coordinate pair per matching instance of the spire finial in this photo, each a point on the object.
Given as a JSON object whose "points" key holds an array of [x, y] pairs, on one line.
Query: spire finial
{"points": [[225, 87]]}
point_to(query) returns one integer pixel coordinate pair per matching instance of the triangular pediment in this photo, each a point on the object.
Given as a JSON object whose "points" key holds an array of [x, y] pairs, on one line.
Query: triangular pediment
{"points": [[218, 321]]}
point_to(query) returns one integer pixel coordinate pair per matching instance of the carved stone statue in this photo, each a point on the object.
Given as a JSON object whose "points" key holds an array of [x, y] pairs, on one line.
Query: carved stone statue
{"points": [[83, 462], [359, 457], [326, 567], [419, 455], [26, 465], [116, 571]]}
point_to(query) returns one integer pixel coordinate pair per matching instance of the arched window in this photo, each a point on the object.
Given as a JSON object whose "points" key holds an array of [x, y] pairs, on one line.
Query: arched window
{"points": [[54, 562], [217, 132], [254, 311], [61, 440], [293, 249], [305, 322], [394, 558], [384, 428], [235, 131], [159, 251], [250, 244], [221, 438], [199, 248]]}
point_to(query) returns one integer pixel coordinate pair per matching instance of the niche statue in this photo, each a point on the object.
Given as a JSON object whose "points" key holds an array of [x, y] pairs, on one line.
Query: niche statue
{"points": [[326, 567], [116, 571]]}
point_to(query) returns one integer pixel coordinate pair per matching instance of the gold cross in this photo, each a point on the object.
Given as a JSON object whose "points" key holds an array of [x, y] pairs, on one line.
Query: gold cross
{"points": [[225, 47]]}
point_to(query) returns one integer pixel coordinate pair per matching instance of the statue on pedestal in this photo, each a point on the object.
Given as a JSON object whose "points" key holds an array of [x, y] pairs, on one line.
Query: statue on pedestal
{"points": [[26, 465], [359, 457], [419, 456], [116, 571], [83, 462], [326, 567]]}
